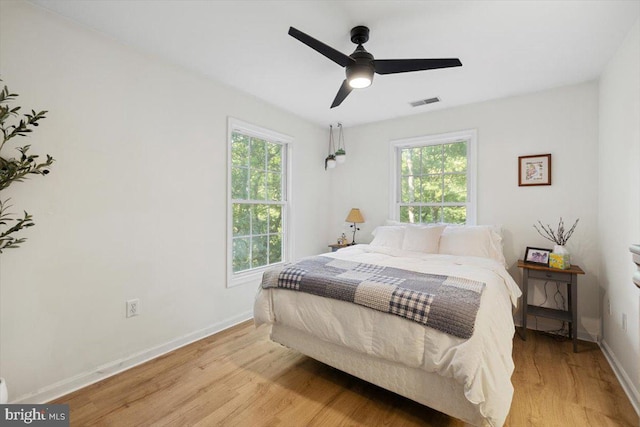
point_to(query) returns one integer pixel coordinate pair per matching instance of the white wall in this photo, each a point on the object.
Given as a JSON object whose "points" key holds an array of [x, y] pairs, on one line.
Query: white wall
{"points": [[563, 122], [134, 206], [619, 206]]}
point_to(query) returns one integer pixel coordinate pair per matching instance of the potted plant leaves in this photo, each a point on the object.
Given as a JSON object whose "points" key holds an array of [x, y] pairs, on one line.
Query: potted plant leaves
{"points": [[16, 169], [330, 161]]}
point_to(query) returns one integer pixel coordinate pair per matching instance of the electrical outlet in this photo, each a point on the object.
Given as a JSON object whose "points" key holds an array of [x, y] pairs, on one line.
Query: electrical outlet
{"points": [[624, 321], [133, 307]]}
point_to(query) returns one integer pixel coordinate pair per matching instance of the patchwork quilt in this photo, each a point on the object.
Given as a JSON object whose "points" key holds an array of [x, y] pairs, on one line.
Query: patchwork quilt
{"points": [[448, 304]]}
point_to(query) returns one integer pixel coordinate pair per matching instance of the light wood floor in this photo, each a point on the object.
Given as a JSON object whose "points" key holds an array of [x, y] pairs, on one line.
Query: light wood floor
{"points": [[239, 378]]}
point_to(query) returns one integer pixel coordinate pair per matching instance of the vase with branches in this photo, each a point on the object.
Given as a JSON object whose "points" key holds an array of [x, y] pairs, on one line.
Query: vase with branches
{"points": [[16, 169], [560, 236]]}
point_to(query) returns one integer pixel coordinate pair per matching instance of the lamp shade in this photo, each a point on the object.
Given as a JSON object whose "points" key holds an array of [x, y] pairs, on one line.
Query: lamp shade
{"points": [[355, 216]]}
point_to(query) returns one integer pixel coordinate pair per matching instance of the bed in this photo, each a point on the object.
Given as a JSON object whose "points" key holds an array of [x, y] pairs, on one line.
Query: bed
{"points": [[467, 377]]}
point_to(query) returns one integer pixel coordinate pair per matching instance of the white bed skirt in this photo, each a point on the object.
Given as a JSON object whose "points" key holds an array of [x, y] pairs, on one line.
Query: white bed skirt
{"points": [[430, 389]]}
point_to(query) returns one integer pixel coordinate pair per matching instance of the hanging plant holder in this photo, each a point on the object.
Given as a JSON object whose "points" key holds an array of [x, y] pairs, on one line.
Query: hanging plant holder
{"points": [[330, 161], [341, 153]]}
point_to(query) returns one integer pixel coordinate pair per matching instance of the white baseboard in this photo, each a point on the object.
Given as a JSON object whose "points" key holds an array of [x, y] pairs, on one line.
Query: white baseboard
{"points": [[623, 378], [69, 385]]}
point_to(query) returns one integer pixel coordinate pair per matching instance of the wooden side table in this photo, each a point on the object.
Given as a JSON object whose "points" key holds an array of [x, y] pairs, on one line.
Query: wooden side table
{"points": [[542, 272], [334, 247]]}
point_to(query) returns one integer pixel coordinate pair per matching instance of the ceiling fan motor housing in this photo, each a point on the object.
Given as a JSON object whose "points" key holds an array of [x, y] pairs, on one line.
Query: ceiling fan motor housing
{"points": [[360, 34], [363, 67]]}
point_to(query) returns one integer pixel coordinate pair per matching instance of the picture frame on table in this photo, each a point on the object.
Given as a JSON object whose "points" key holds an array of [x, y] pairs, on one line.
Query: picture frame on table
{"points": [[538, 256], [534, 170]]}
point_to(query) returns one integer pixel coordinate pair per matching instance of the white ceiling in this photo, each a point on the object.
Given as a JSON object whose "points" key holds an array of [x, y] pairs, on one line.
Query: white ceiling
{"points": [[506, 47]]}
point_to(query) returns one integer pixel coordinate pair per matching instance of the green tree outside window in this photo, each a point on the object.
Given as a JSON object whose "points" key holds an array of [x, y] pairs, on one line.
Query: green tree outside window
{"points": [[257, 188], [433, 183]]}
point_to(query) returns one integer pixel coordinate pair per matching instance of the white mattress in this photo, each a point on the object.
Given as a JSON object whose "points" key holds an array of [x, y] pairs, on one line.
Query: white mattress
{"points": [[482, 365]]}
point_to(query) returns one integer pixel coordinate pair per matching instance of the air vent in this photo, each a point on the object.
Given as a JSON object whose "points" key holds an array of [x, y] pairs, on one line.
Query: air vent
{"points": [[424, 102]]}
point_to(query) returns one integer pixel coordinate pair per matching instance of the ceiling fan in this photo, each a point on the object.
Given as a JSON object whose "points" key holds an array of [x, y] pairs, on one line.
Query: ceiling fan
{"points": [[360, 65]]}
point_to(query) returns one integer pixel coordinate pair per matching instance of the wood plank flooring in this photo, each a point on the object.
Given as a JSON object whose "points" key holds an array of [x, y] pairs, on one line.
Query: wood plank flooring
{"points": [[239, 378]]}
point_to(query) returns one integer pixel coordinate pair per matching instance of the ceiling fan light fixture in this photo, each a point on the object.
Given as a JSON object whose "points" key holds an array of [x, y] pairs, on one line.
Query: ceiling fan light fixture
{"points": [[359, 76], [360, 82]]}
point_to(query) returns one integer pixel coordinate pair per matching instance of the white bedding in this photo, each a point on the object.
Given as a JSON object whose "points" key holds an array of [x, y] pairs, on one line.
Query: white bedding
{"points": [[482, 364]]}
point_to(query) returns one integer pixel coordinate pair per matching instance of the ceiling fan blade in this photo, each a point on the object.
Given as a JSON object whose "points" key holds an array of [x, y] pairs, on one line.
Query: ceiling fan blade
{"points": [[345, 90], [334, 55], [391, 66]]}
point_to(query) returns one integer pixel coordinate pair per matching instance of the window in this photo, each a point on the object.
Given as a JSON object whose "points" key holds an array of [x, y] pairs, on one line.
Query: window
{"points": [[433, 179], [258, 200]]}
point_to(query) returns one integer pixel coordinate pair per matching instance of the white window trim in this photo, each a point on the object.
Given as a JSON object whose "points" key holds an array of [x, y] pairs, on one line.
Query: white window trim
{"points": [[254, 276], [470, 135]]}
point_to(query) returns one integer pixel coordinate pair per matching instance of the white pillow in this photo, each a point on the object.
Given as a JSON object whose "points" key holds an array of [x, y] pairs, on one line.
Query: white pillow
{"points": [[390, 236], [472, 240], [422, 238], [496, 240]]}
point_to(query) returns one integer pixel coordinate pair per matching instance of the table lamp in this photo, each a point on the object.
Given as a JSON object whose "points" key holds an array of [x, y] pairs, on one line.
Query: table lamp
{"points": [[356, 218]]}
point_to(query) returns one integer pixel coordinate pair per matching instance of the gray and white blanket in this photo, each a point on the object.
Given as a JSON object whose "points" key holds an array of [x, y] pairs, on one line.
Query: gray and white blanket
{"points": [[448, 304]]}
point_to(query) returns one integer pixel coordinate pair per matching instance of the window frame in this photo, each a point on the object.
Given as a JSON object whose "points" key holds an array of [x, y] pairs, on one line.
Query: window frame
{"points": [[395, 147], [253, 275]]}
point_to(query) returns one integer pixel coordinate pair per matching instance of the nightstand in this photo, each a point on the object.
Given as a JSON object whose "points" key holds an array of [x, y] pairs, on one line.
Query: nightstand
{"points": [[334, 247], [542, 272]]}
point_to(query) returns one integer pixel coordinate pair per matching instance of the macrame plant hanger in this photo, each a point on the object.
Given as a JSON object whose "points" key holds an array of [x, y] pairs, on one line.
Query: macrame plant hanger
{"points": [[341, 153], [330, 161]]}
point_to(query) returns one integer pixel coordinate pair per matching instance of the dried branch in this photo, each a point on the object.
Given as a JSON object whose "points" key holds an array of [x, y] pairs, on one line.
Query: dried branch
{"points": [[559, 237]]}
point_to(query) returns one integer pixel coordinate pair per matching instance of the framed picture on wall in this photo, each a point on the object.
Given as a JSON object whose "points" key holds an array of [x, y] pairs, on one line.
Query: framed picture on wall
{"points": [[537, 256], [534, 170]]}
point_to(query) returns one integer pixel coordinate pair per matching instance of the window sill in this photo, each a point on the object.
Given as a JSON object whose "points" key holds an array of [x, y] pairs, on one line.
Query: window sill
{"points": [[249, 277]]}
